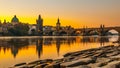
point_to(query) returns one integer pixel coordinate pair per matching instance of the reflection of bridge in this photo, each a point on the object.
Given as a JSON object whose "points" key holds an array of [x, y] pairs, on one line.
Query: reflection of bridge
{"points": [[97, 31]]}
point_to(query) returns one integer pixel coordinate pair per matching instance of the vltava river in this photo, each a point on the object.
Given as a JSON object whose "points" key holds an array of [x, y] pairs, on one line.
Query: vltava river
{"points": [[15, 50]]}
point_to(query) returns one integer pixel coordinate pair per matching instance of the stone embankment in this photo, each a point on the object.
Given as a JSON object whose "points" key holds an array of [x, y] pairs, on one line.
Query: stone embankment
{"points": [[103, 57]]}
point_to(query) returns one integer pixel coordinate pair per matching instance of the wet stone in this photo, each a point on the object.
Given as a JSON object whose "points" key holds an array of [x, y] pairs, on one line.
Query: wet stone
{"points": [[34, 62], [31, 65], [114, 64], [41, 65], [20, 64], [82, 66], [78, 62], [49, 66], [68, 54]]}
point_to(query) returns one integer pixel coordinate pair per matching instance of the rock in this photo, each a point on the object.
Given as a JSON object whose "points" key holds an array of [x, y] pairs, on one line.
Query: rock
{"points": [[113, 58], [57, 65], [20, 64], [76, 54], [34, 62], [41, 65], [101, 64], [62, 66], [38, 66], [117, 56], [69, 58], [98, 64], [84, 56], [82, 66], [112, 54], [68, 54], [49, 60], [23, 66], [103, 60], [114, 64], [102, 54], [49, 66], [31, 65], [83, 61]]}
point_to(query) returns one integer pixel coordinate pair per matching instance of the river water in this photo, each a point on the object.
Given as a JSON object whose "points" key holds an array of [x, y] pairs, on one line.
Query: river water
{"points": [[15, 50]]}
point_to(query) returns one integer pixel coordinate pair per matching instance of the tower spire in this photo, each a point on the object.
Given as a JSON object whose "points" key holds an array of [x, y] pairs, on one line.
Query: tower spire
{"points": [[58, 21], [39, 17]]}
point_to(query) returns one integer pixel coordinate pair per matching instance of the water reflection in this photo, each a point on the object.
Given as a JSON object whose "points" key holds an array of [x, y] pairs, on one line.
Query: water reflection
{"points": [[39, 46], [13, 44], [50, 46], [17, 44]]}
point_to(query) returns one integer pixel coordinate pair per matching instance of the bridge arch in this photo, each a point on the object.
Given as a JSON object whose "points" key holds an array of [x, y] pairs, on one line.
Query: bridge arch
{"points": [[112, 32], [93, 32]]}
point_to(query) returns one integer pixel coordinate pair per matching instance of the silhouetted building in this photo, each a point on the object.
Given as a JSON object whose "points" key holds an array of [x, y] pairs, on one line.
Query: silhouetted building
{"points": [[4, 22], [39, 22], [15, 20], [58, 25]]}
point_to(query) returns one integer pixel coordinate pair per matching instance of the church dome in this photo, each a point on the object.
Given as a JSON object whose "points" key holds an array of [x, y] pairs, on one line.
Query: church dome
{"points": [[15, 19]]}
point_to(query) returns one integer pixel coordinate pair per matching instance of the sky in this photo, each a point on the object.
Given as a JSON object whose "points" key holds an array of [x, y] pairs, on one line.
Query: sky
{"points": [[77, 13]]}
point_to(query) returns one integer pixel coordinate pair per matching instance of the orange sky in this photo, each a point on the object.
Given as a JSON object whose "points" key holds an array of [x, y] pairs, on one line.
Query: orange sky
{"points": [[77, 13]]}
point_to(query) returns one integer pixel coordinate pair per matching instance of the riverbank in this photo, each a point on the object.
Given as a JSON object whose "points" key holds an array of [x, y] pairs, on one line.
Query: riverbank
{"points": [[103, 57]]}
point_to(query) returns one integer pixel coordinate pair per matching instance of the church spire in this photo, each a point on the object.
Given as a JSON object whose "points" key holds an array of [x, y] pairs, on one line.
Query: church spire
{"points": [[58, 24], [39, 17], [58, 21]]}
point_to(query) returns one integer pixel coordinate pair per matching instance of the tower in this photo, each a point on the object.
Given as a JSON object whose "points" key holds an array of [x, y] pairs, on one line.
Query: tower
{"points": [[102, 30], [39, 22], [4, 21], [58, 24]]}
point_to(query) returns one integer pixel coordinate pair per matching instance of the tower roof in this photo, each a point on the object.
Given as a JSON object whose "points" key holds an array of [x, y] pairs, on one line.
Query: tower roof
{"points": [[15, 19], [39, 17], [58, 21]]}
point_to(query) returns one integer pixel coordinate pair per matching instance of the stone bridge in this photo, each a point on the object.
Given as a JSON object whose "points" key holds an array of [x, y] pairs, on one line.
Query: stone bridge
{"points": [[97, 31]]}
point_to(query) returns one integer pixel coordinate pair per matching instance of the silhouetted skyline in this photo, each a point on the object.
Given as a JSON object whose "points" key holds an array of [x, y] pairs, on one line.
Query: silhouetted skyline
{"points": [[72, 12]]}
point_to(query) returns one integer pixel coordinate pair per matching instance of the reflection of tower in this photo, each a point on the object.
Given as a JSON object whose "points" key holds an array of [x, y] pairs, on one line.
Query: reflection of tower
{"points": [[58, 25], [102, 33], [58, 45], [39, 22], [14, 51], [39, 46], [0, 49], [103, 40], [84, 31]]}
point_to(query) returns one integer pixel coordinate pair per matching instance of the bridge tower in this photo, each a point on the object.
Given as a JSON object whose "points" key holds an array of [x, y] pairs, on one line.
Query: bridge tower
{"points": [[39, 23], [84, 31], [102, 30]]}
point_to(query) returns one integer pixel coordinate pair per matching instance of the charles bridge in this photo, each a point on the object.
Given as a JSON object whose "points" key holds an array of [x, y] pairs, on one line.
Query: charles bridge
{"points": [[102, 31]]}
